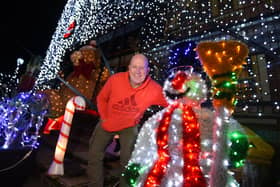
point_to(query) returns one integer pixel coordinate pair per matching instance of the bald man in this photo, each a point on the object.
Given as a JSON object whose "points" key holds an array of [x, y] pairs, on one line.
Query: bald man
{"points": [[121, 102]]}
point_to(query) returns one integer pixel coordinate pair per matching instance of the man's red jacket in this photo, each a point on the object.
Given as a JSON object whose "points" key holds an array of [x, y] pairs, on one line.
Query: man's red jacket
{"points": [[121, 106]]}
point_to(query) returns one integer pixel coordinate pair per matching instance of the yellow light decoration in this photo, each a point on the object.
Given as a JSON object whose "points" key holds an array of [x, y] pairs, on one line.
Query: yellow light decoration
{"points": [[261, 152], [86, 62], [56, 105], [223, 61]]}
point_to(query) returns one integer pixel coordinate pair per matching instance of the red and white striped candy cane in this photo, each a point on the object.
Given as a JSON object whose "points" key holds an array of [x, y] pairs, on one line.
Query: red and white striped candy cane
{"points": [[77, 103]]}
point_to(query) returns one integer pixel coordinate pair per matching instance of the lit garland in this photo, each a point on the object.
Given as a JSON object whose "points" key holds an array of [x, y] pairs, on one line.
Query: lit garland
{"points": [[22, 113], [219, 20], [74, 12], [21, 119], [80, 22], [168, 23]]}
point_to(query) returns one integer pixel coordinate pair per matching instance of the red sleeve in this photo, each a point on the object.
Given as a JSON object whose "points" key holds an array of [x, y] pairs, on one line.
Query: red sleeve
{"points": [[158, 94], [161, 99], [103, 99]]}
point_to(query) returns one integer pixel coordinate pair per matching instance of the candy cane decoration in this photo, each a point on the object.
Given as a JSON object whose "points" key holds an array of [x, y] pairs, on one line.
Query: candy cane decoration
{"points": [[77, 103]]}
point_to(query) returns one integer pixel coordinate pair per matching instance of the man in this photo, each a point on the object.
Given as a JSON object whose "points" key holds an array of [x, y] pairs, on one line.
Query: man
{"points": [[121, 103]]}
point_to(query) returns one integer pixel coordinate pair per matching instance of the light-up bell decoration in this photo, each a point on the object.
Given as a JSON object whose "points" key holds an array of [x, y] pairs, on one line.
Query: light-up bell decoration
{"points": [[223, 62]]}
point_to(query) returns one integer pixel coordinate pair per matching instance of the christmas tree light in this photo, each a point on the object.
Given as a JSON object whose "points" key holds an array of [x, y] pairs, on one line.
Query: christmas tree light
{"points": [[168, 23]]}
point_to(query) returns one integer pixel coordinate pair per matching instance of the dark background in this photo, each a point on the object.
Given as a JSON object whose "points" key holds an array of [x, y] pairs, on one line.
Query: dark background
{"points": [[27, 28]]}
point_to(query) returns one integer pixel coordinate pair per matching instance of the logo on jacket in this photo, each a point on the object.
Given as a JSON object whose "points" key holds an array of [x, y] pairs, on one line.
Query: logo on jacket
{"points": [[128, 104]]}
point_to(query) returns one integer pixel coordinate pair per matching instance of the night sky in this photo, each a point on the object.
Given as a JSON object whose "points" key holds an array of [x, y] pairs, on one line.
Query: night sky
{"points": [[27, 28]]}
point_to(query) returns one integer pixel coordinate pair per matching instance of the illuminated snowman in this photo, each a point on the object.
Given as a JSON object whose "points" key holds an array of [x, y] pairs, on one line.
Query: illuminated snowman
{"points": [[175, 146]]}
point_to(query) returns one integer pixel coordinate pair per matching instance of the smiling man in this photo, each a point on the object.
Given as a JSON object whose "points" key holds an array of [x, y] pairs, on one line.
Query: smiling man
{"points": [[121, 103]]}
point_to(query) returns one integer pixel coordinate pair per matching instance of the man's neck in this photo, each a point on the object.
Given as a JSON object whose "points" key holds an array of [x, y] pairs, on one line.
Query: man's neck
{"points": [[133, 85]]}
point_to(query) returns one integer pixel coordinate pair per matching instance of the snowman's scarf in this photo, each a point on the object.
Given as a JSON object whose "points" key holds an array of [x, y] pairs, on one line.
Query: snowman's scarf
{"points": [[190, 148]]}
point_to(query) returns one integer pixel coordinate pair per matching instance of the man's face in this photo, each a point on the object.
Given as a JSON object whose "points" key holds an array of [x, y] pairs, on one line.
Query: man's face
{"points": [[138, 69]]}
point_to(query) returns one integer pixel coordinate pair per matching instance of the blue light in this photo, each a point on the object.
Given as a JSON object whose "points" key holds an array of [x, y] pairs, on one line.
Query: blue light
{"points": [[21, 118]]}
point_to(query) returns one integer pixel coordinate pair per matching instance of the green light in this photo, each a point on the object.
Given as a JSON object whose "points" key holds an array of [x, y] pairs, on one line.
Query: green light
{"points": [[235, 135], [238, 148], [235, 102], [132, 181], [237, 165], [227, 84]]}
